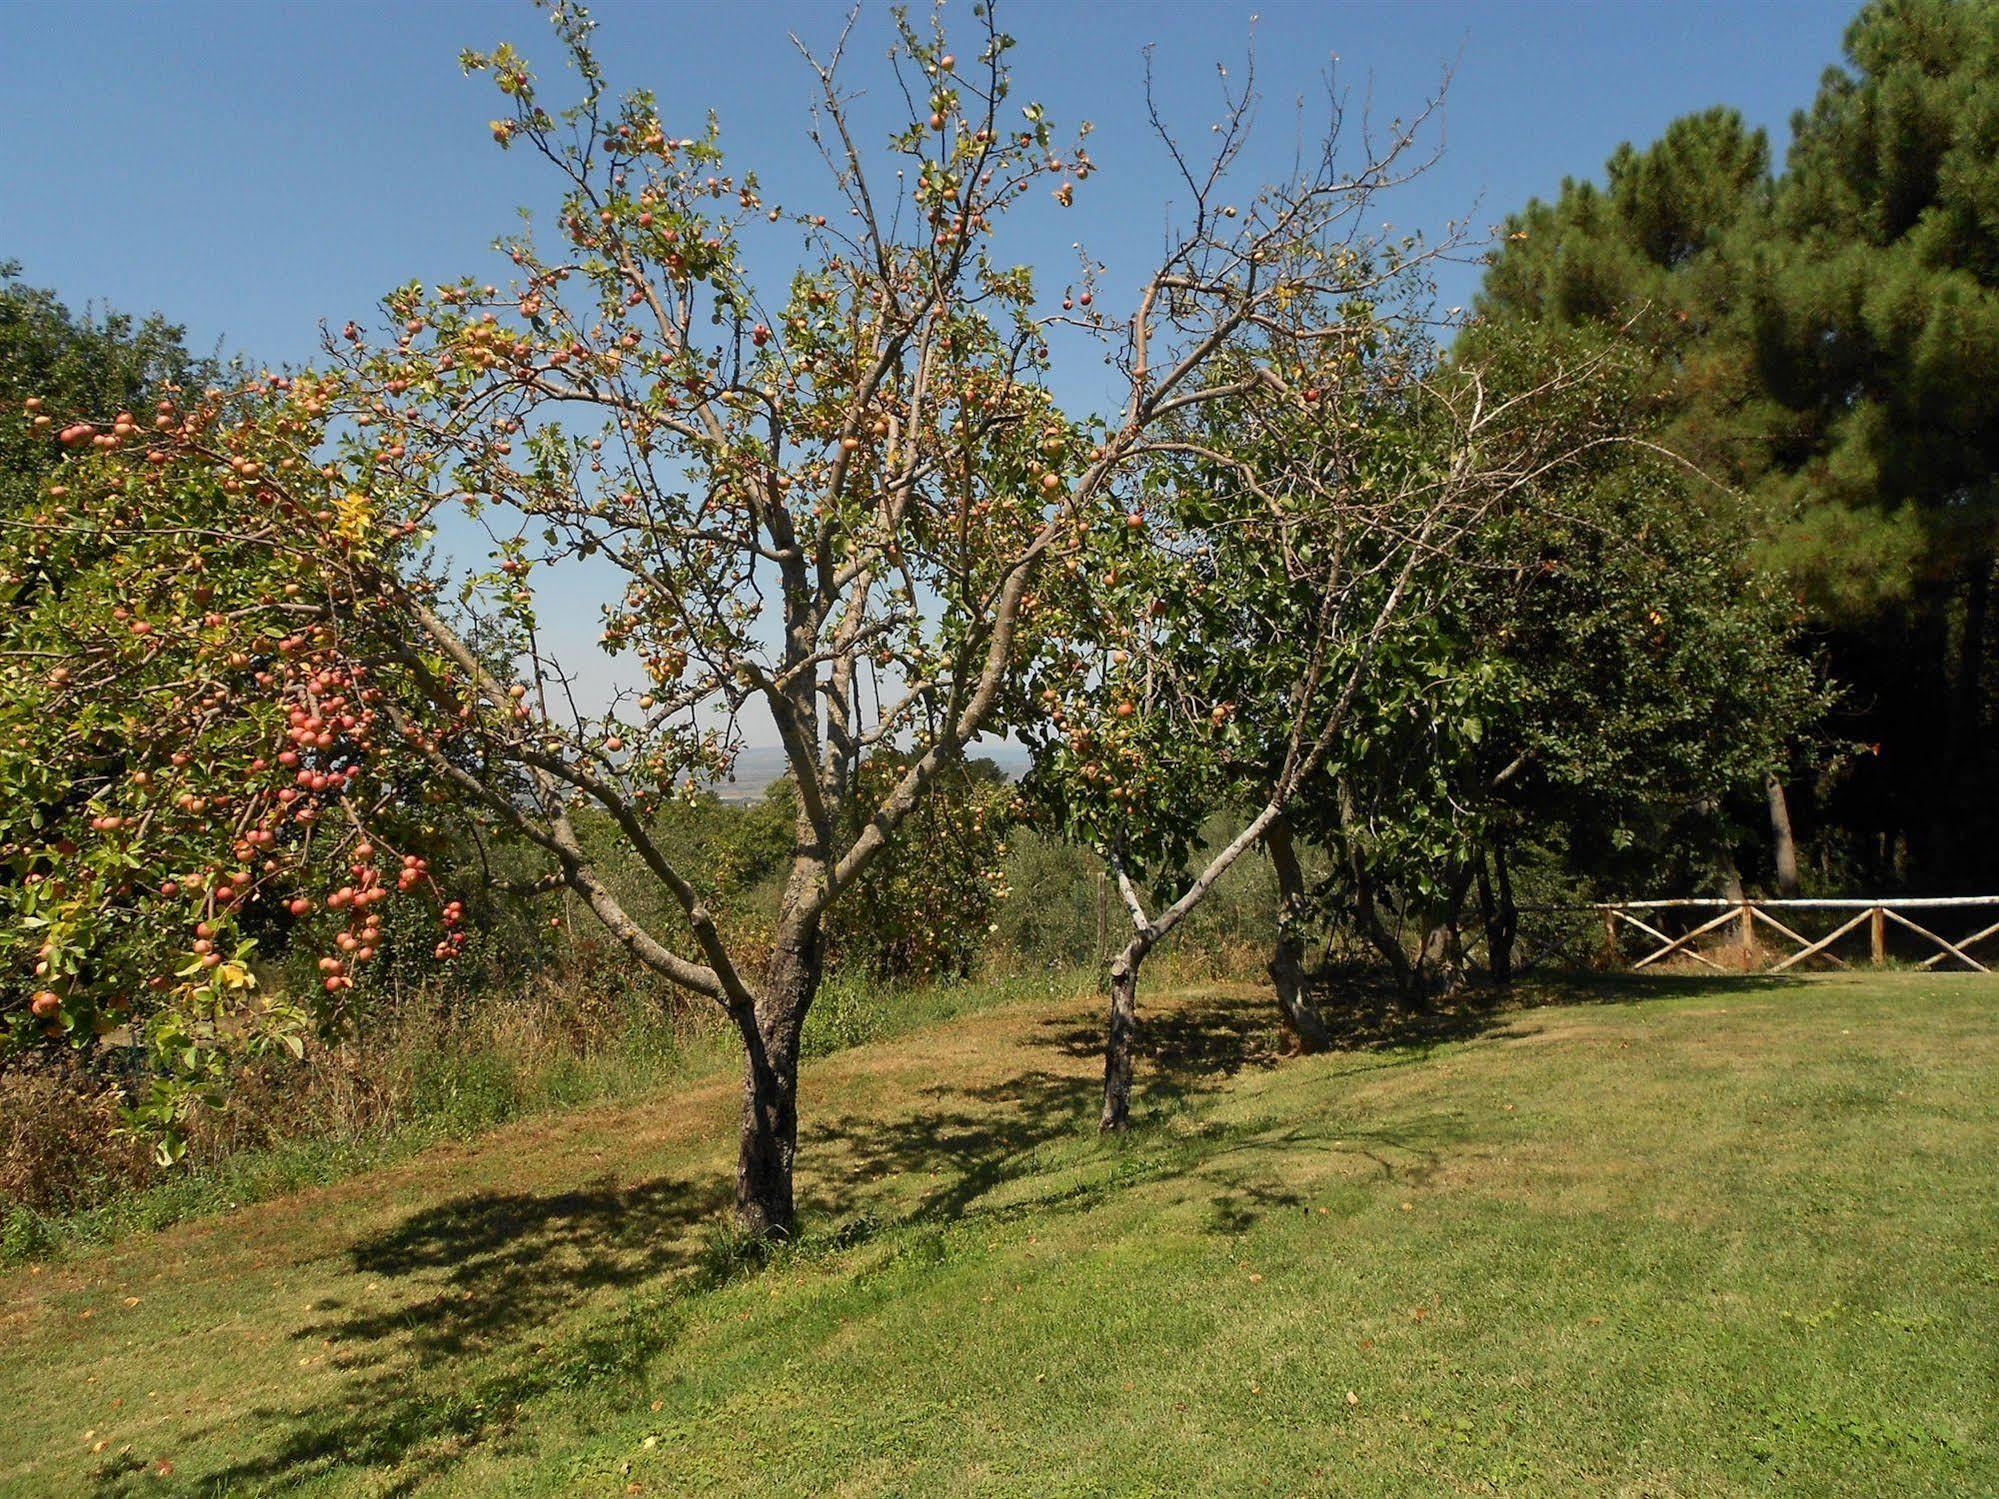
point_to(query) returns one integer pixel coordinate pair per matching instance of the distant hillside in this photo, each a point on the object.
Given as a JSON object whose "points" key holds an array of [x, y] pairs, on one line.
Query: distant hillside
{"points": [[760, 764]]}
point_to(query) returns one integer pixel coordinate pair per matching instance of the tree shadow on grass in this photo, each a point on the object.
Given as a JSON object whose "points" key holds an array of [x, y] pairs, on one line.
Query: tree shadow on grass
{"points": [[477, 1313], [966, 1138], [953, 1158], [464, 1334], [1187, 1049], [1364, 1013], [498, 1264], [969, 1140]]}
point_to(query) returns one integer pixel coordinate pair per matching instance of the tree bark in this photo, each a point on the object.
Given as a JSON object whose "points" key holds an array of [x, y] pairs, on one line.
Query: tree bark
{"points": [[1968, 688], [1120, 1039], [1785, 845], [1734, 890], [1121, 1036], [1367, 915], [1440, 967], [1726, 868], [1968, 742], [1502, 915], [1287, 959], [768, 1147]]}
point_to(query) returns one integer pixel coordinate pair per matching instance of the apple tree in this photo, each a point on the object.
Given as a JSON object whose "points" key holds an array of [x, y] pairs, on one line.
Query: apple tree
{"points": [[1273, 599], [193, 757], [843, 503]]}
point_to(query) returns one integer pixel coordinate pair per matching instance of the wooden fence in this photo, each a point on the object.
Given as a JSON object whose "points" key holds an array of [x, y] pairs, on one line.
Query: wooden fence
{"points": [[1648, 917]]}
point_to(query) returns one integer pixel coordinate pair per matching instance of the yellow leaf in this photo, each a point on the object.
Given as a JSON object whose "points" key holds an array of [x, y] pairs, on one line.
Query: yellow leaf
{"points": [[352, 515]]}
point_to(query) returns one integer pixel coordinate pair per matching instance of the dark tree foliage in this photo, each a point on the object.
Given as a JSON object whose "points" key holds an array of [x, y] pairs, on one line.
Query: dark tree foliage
{"points": [[106, 361], [1824, 341]]}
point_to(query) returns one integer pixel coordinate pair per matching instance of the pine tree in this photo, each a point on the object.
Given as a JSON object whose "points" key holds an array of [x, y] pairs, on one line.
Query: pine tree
{"points": [[1825, 343]]}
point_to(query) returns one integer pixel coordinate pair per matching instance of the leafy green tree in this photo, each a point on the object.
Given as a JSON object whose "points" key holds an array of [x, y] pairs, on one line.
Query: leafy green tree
{"points": [[107, 362], [1593, 668], [1274, 591], [1605, 674], [1823, 341]]}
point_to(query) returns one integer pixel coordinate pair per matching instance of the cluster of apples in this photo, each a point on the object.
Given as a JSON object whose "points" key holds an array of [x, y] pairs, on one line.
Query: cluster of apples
{"points": [[81, 434], [453, 918]]}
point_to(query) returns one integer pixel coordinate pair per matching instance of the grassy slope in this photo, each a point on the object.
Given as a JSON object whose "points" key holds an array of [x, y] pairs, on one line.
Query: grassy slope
{"points": [[462, 1086], [1708, 1236]]}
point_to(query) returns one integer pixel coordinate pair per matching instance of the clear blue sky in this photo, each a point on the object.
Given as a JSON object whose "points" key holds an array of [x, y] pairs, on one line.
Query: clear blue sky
{"points": [[252, 169]]}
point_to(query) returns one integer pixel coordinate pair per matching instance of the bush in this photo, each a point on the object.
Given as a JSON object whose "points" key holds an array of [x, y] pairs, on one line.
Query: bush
{"points": [[424, 1068], [1059, 910]]}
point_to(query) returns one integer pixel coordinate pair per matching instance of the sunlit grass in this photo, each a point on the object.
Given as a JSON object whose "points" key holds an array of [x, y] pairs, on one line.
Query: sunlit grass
{"points": [[1687, 1237]]}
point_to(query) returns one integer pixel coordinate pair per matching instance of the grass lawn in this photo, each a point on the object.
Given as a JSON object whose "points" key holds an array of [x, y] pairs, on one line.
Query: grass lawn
{"points": [[1680, 1237]]}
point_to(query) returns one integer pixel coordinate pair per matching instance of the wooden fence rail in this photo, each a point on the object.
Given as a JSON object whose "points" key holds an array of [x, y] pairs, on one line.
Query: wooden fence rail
{"points": [[1745, 915]]}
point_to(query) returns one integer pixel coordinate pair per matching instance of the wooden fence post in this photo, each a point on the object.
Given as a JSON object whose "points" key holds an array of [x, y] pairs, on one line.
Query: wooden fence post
{"points": [[1746, 932], [1877, 933], [1610, 936]]}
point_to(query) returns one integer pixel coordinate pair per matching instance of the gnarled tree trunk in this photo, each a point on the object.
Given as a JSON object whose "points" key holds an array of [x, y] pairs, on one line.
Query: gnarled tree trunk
{"points": [[1440, 968], [1287, 959], [768, 1146], [1501, 914], [1367, 910], [1121, 1035]]}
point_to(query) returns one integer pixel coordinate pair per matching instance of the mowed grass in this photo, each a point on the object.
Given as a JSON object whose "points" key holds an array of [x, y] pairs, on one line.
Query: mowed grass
{"points": [[1683, 1237]]}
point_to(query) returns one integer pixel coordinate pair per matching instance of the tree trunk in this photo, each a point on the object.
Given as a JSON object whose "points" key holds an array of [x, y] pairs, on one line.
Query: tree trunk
{"points": [[1732, 888], [1367, 912], [769, 1140], [1968, 687], [1122, 1035], [1968, 741], [1926, 828], [1502, 916], [1367, 915], [1780, 833], [1440, 968], [1287, 960]]}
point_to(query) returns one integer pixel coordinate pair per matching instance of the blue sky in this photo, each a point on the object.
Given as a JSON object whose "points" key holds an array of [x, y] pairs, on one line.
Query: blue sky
{"points": [[252, 169]]}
